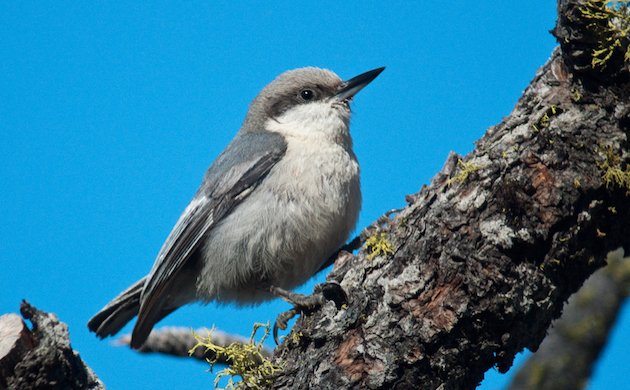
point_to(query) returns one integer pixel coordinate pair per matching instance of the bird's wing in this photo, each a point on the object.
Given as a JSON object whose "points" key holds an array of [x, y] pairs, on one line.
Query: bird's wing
{"points": [[230, 179]]}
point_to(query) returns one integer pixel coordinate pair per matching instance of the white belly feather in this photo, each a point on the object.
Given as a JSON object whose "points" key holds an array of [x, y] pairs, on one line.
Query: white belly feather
{"points": [[292, 222]]}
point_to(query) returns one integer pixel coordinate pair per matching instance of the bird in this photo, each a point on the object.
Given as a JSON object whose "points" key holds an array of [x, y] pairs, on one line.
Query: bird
{"points": [[272, 208]]}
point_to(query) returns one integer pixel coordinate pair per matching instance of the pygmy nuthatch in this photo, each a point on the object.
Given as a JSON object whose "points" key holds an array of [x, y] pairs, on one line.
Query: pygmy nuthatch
{"points": [[281, 199]]}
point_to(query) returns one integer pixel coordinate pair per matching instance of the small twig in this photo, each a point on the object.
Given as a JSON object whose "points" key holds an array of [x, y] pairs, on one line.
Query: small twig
{"points": [[178, 341]]}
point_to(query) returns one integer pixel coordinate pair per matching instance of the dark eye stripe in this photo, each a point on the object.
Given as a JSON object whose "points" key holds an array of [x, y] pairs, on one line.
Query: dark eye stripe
{"points": [[293, 97]]}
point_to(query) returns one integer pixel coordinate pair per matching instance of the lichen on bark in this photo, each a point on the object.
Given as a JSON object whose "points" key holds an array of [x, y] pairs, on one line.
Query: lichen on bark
{"points": [[482, 266]]}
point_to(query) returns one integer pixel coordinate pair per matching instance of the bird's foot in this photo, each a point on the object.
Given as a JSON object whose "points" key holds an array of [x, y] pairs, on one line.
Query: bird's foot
{"points": [[329, 291]]}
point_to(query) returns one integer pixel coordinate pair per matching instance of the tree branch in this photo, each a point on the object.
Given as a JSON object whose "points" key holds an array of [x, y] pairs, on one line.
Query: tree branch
{"points": [[178, 341], [485, 256], [566, 357], [41, 358]]}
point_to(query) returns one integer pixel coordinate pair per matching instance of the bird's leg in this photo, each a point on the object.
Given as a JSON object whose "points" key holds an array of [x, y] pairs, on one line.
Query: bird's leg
{"points": [[282, 321], [329, 291], [301, 303]]}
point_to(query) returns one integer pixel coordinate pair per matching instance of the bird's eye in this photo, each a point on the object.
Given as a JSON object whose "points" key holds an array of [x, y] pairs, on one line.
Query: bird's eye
{"points": [[307, 94]]}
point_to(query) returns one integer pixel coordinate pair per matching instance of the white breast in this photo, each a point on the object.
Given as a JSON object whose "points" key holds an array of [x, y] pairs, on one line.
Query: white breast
{"points": [[299, 215]]}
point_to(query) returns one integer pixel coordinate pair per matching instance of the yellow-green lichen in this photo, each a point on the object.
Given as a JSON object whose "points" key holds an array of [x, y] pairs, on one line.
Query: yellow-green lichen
{"points": [[550, 264], [545, 118], [245, 360], [465, 170], [613, 175], [609, 21], [296, 337], [378, 244], [576, 95], [402, 222]]}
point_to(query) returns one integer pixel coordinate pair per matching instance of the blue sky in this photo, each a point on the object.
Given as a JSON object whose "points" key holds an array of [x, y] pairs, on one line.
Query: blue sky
{"points": [[111, 112]]}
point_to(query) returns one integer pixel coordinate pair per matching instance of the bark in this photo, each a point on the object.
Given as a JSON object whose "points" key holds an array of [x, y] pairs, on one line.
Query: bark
{"points": [[478, 264], [15, 341], [566, 357], [41, 358], [485, 257]]}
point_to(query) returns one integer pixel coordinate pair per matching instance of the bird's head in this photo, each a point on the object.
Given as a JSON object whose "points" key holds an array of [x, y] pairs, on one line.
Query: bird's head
{"points": [[305, 102]]}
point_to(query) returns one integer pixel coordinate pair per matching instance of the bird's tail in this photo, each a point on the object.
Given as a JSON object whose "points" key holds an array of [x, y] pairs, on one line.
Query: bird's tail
{"points": [[116, 314]]}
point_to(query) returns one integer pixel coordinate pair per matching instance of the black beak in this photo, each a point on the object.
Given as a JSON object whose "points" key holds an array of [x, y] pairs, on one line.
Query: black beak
{"points": [[351, 87]]}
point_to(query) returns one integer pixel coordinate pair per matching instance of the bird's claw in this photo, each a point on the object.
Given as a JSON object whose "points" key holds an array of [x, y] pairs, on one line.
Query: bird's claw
{"points": [[282, 321], [329, 291]]}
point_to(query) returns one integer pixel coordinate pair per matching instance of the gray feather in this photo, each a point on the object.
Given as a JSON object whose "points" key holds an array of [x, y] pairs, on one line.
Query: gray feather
{"points": [[235, 173], [282, 197], [110, 319]]}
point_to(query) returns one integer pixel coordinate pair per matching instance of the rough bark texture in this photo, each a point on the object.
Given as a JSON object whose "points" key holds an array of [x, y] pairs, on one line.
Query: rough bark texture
{"points": [[15, 341], [41, 358], [566, 357], [483, 262]]}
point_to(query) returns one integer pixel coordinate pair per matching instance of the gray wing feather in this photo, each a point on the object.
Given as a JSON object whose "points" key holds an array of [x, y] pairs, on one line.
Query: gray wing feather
{"points": [[235, 173], [110, 319]]}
